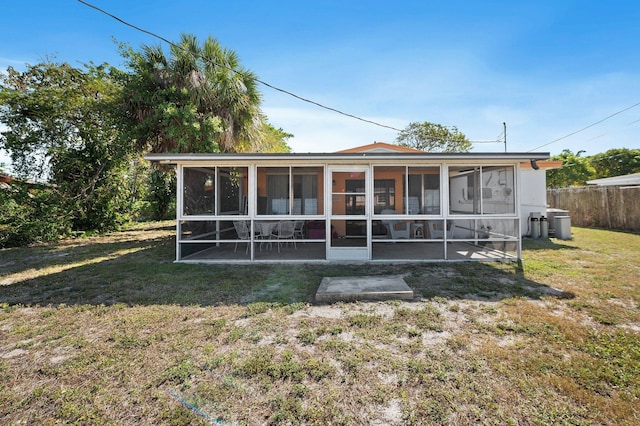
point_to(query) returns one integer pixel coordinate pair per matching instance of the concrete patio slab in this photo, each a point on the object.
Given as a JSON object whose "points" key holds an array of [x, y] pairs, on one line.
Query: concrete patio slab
{"points": [[335, 289]]}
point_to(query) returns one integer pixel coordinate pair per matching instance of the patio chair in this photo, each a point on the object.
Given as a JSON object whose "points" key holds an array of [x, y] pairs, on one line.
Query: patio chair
{"points": [[299, 229], [436, 231], [242, 229], [285, 232], [397, 228]]}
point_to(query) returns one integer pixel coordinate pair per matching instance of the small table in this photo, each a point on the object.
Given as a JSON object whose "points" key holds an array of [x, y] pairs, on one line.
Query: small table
{"points": [[264, 231]]}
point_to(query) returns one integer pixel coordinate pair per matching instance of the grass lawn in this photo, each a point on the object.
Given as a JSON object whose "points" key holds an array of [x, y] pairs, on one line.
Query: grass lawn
{"points": [[107, 330]]}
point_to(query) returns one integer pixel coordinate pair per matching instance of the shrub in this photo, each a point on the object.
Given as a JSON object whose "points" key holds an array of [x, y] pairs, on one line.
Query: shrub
{"points": [[31, 215]]}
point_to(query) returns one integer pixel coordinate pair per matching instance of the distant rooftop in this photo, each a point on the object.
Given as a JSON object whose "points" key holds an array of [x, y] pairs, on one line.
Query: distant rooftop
{"points": [[625, 180], [380, 147]]}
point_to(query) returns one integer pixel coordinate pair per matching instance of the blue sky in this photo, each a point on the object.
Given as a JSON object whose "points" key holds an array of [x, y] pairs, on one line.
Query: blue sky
{"points": [[546, 68]]}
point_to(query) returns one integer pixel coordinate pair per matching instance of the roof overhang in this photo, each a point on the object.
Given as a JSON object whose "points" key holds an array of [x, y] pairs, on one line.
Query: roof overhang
{"points": [[633, 179], [361, 157], [541, 164]]}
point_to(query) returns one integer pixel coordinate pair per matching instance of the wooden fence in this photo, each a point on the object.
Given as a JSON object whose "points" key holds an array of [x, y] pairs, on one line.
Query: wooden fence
{"points": [[610, 207]]}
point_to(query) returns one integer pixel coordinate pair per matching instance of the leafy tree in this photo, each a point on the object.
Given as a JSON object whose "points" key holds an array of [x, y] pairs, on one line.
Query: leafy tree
{"points": [[616, 162], [161, 194], [61, 129], [273, 140], [575, 170], [196, 99], [30, 215], [432, 137]]}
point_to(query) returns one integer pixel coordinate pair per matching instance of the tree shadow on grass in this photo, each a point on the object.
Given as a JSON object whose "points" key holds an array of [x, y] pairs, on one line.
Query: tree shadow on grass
{"points": [[136, 268], [481, 281]]}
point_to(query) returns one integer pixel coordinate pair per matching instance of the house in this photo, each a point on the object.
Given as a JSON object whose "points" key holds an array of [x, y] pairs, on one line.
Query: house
{"points": [[6, 181], [624, 180], [377, 202], [533, 193]]}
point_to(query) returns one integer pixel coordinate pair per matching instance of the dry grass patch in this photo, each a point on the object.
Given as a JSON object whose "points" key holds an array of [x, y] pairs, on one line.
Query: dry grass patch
{"points": [[107, 330]]}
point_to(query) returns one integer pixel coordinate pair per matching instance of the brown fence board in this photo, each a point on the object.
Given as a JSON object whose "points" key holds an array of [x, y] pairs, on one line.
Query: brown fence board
{"points": [[610, 207]]}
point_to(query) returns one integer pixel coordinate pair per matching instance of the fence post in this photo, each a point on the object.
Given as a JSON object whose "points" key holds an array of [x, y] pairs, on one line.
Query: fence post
{"points": [[608, 212], [588, 208]]}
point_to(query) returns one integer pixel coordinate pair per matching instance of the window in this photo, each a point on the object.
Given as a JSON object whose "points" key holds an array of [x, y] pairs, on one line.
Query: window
{"points": [[481, 190], [278, 192], [290, 190], [232, 191], [210, 191], [198, 191], [384, 195], [355, 197], [419, 189], [423, 195], [306, 182]]}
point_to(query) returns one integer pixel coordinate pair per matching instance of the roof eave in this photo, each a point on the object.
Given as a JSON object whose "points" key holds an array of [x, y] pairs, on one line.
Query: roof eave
{"points": [[167, 158]]}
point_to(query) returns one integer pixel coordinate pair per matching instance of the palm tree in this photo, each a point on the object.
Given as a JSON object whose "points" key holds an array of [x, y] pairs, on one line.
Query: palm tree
{"points": [[198, 99]]}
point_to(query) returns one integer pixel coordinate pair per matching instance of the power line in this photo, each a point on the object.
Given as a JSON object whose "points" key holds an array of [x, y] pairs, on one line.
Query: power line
{"points": [[591, 156], [599, 136], [587, 127], [237, 72]]}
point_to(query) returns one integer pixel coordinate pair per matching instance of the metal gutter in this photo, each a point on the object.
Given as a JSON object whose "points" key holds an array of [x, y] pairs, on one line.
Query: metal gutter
{"points": [[169, 158]]}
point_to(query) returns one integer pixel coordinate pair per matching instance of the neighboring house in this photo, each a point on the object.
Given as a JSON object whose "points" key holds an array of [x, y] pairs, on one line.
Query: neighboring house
{"points": [[378, 202], [7, 180], [625, 180]]}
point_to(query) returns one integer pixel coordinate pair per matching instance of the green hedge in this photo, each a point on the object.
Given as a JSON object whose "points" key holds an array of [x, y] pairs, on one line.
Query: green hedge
{"points": [[31, 214]]}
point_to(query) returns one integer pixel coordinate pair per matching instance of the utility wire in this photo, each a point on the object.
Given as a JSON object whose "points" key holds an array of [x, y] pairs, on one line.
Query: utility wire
{"points": [[596, 137], [587, 127], [564, 166], [237, 72]]}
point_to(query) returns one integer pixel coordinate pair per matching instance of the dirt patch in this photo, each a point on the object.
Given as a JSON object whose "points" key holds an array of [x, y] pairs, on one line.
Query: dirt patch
{"points": [[320, 311], [14, 353]]}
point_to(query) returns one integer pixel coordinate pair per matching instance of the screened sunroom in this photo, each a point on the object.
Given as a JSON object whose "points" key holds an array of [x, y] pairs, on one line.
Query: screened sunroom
{"points": [[380, 203]]}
